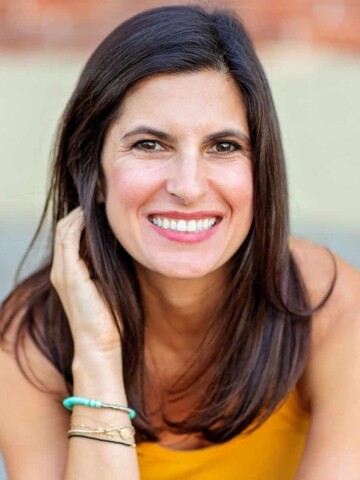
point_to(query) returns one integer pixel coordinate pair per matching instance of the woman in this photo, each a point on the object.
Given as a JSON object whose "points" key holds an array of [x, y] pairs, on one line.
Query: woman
{"points": [[173, 290]]}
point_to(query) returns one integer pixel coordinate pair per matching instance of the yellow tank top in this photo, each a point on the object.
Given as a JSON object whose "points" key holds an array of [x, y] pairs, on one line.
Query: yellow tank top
{"points": [[272, 452]]}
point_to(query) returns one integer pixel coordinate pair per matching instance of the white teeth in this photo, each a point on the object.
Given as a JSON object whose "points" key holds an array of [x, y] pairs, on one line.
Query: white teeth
{"points": [[183, 225], [191, 226]]}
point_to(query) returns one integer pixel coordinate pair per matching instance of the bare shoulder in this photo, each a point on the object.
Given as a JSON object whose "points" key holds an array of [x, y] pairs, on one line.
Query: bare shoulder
{"points": [[330, 384], [318, 266], [335, 339], [33, 422]]}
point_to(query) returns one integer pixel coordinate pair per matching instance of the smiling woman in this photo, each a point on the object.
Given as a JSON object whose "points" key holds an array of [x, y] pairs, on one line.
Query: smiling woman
{"points": [[173, 286], [171, 180]]}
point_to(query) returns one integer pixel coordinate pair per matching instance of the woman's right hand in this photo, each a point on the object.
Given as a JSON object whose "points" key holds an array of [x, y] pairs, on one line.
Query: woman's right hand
{"points": [[92, 325]]}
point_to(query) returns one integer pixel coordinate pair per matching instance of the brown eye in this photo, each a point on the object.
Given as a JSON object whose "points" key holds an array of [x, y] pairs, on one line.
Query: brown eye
{"points": [[147, 145], [226, 147]]}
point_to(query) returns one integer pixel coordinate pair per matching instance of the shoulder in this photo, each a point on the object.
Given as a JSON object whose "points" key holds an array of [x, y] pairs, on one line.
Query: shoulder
{"points": [[331, 379], [333, 363], [33, 422], [318, 265]]}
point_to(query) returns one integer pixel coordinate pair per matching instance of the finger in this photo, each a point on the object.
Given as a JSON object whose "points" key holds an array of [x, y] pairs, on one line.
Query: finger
{"points": [[66, 245], [70, 234], [57, 260]]}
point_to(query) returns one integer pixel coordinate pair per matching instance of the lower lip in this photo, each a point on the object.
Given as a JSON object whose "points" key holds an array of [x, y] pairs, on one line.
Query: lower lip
{"points": [[185, 237]]}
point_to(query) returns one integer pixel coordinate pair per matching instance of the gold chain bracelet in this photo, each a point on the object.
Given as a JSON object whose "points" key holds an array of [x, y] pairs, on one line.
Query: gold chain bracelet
{"points": [[125, 432]]}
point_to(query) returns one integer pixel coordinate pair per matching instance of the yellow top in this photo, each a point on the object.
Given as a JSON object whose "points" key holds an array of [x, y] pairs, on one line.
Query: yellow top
{"points": [[272, 452]]}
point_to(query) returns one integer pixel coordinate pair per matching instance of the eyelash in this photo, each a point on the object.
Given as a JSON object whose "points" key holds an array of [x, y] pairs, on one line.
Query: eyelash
{"points": [[136, 146]]}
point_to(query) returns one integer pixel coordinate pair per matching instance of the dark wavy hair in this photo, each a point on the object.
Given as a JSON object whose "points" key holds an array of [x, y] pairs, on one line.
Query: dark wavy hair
{"points": [[256, 343]]}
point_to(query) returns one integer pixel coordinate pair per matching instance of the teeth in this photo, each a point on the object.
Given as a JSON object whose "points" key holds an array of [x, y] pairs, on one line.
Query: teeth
{"points": [[191, 227], [183, 225]]}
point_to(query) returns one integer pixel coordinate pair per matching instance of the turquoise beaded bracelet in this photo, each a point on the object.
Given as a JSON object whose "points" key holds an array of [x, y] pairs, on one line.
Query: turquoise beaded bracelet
{"points": [[69, 402]]}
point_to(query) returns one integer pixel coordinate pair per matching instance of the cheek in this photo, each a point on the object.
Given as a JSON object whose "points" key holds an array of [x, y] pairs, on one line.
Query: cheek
{"points": [[238, 188], [240, 199], [128, 188], [127, 191]]}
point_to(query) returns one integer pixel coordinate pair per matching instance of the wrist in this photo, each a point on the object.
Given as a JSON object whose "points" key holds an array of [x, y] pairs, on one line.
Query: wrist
{"points": [[91, 360], [97, 375], [89, 350]]}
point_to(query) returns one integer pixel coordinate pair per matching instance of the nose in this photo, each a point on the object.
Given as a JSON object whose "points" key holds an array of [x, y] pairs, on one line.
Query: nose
{"points": [[187, 178]]}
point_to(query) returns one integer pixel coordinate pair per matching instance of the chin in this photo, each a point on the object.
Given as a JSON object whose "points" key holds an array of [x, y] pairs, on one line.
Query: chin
{"points": [[182, 271]]}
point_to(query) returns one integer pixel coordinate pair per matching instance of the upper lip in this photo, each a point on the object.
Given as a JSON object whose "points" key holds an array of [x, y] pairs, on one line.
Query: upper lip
{"points": [[187, 215]]}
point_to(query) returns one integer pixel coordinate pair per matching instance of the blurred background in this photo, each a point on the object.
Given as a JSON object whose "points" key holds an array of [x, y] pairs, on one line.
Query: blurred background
{"points": [[310, 50]]}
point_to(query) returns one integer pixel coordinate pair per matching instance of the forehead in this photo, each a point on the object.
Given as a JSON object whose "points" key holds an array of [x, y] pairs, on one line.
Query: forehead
{"points": [[198, 99]]}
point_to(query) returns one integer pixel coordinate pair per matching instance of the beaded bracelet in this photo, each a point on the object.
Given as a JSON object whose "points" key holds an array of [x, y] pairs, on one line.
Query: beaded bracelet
{"points": [[69, 402]]}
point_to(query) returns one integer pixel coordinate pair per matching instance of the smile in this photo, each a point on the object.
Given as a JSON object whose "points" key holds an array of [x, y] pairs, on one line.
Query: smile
{"points": [[181, 225]]}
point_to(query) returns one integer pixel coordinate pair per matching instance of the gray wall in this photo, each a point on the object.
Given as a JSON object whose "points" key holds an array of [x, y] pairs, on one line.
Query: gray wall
{"points": [[2, 470]]}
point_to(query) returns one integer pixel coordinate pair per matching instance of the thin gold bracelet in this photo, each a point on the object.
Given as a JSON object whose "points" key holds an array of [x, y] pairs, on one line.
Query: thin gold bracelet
{"points": [[111, 432], [71, 435]]}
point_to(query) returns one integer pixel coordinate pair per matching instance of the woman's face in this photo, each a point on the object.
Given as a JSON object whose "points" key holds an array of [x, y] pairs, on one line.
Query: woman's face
{"points": [[177, 166]]}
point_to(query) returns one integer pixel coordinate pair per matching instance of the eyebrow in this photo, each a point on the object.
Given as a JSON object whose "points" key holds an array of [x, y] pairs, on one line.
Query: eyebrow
{"points": [[229, 132]]}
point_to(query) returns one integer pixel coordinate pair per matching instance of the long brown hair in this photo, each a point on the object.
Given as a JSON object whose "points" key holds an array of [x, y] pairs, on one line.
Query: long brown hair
{"points": [[254, 349]]}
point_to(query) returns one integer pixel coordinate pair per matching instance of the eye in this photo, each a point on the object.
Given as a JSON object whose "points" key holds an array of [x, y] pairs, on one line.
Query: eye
{"points": [[226, 147], [147, 146]]}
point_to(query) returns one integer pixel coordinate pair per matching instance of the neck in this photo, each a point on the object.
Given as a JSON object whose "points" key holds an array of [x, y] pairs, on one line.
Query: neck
{"points": [[177, 311]]}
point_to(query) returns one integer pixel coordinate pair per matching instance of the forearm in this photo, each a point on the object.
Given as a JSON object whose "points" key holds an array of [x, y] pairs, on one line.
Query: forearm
{"points": [[90, 459]]}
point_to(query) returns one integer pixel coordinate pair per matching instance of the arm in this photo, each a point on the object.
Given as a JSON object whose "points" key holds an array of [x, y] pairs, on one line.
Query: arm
{"points": [[34, 423], [101, 379], [97, 364], [332, 450]]}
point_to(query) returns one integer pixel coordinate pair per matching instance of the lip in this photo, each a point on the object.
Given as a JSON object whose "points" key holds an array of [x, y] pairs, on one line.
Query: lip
{"points": [[187, 215]]}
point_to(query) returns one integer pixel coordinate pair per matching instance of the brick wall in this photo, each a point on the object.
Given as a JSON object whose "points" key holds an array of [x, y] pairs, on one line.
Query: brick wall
{"points": [[74, 24]]}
